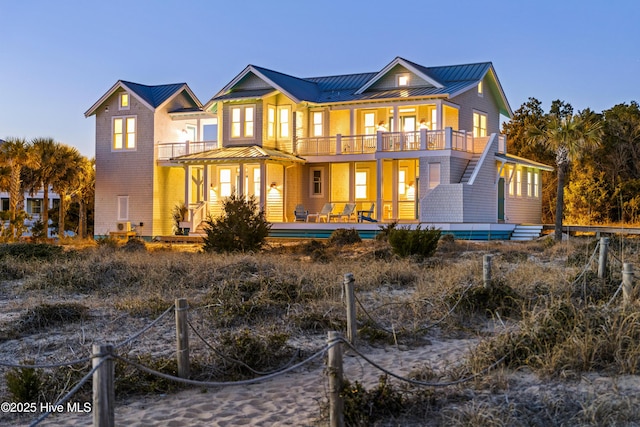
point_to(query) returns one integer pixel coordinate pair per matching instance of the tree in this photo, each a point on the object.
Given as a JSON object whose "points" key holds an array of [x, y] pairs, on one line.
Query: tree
{"points": [[569, 136], [84, 194], [15, 155], [66, 178]]}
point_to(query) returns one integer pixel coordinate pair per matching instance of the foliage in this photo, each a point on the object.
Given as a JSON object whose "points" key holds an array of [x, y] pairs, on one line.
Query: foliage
{"points": [[385, 230], [364, 408], [420, 243], [38, 231], [48, 315], [31, 251], [178, 214], [242, 227], [24, 384], [134, 245], [344, 236]]}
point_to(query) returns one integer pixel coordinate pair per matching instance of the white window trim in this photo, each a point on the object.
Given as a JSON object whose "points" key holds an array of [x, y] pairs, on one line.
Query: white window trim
{"points": [[271, 125], [400, 76], [289, 117], [124, 134], [243, 122], [120, 106], [123, 201], [481, 89], [312, 182], [319, 114], [486, 123]]}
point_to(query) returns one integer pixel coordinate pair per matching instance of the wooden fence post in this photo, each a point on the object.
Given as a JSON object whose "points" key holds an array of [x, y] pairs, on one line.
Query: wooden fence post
{"points": [[182, 337], [627, 283], [486, 271], [103, 388], [335, 372], [352, 329], [602, 261]]}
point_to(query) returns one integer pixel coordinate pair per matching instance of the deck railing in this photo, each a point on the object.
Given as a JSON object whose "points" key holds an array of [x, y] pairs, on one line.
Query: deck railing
{"points": [[446, 139], [169, 150]]}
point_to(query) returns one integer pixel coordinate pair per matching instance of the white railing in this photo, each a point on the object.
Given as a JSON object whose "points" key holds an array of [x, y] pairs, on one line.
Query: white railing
{"points": [[197, 214], [316, 146], [169, 150], [358, 144]]}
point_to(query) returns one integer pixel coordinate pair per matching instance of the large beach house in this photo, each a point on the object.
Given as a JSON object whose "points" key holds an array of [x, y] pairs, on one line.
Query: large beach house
{"points": [[406, 143]]}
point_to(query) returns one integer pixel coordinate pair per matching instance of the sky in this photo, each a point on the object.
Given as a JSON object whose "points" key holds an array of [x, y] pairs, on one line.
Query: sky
{"points": [[57, 58]]}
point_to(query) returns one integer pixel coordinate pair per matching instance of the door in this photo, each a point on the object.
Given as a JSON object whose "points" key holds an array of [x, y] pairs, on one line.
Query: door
{"points": [[501, 199]]}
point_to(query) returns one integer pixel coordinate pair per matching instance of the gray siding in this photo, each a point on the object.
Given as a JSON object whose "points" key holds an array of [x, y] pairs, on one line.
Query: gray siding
{"points": [[470, 101], [388, 81]]}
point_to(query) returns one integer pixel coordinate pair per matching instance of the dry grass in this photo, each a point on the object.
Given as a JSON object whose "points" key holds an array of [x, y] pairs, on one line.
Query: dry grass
{"points": [[535, 315]]}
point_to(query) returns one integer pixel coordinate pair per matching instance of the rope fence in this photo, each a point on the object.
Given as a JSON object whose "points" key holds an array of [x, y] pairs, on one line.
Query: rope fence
{"points": [[104, 356]]}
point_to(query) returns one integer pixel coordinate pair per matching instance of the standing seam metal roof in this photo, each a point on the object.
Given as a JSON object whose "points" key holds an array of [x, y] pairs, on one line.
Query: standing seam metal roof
{"points": [[154, 95]]}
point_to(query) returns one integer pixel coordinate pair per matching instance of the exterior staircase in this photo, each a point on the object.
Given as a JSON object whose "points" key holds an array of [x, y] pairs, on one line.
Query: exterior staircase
{"points": [[526, 232], [471, 166]]}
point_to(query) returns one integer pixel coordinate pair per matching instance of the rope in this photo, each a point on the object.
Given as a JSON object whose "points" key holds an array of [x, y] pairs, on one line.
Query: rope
{"points": [[449, 312], [71, 393], [224, 383], [240, 362], [46, 365], [422, 383], [145, 329], [584, 270]]}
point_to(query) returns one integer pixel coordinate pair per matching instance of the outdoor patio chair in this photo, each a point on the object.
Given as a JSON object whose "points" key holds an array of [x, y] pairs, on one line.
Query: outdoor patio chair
{"points": [[300, 213], [347, 211], [366, 215], [324, 213]]}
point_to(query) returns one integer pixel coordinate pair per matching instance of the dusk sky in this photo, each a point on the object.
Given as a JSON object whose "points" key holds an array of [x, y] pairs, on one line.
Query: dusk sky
{"points": [[59, 57]]}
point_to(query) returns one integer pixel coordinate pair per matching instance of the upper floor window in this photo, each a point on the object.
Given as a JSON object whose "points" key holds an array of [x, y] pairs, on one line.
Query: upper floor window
{"points": [[271, 122], [124, 101], [317, 123], [480, 89], [479, 124], [124, 133], [284, 114], [242, 120], [369, 123], [402, 79]]}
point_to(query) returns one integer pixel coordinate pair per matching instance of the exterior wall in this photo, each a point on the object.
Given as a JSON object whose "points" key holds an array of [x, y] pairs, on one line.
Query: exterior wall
{"points": [[389, 81], [470, 101], [227, 141], [523, 209], [275, 196], [124, 173], [295, 190], [481, 197], [339, 122], [168, 192], [443, 204]]}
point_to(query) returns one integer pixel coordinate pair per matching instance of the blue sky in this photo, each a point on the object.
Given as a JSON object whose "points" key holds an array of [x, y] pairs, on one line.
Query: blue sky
{"points": [[59, 57]]}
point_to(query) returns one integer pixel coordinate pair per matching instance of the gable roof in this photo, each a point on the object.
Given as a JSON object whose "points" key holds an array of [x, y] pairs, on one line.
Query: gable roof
{"points": [[442, 82], [151, 96], [237, 154]]}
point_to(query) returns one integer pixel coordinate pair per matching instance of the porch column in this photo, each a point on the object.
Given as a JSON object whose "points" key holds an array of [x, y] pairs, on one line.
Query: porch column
{"points": [[352, 121], [396, 125], [263, 186], [394, 190], [205, 177], [379, 183], [352, 181], [187, 183], [240, 189]]}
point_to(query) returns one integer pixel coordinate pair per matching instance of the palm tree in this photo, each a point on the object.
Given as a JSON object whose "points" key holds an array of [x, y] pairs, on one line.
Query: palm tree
{"points": [[42, 174], [569, 136], [15, 155], [66, 178], [85, 193]]}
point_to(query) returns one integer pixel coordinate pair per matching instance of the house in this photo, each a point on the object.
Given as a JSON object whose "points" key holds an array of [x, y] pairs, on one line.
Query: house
{"points": [[419, 144], [33, 206]]}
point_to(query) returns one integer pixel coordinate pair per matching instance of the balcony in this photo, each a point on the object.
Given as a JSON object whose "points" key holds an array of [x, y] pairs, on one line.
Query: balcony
{"points": [[447, 139], [168, 150]]}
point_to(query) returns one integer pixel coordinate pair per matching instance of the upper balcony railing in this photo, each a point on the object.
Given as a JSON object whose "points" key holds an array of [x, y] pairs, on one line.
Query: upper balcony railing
{"points": [[447, 139], [168, 150]]}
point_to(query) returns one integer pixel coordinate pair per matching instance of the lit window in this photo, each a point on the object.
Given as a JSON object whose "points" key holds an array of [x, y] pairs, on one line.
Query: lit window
{"points": [[480, 89], [235, 122], [511, 178], [529, 183], [225, 182], [248, 121], [402, 180], [271, 122], [317, 123], [283, 116], [124, 133], [434, 175], [518, 182], [361, 185], [369, 123], [536, 184], [316, 182], [479, 125], [256, 182], [124, 101], [403, 79]]}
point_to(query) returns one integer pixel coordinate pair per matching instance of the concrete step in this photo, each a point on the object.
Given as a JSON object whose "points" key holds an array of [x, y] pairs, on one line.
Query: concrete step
{"points": [[524, 232]]}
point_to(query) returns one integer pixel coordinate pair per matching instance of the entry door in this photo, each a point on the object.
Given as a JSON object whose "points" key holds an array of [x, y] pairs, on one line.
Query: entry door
{"points": [[501, 199]]}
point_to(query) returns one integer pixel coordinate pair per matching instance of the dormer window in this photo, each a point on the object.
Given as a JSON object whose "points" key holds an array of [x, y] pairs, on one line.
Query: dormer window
{"points": [[124, 101], [402, 79]]}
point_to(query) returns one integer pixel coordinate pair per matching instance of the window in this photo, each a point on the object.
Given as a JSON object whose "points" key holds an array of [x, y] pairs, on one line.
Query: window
{"points": [[511, 178], [283, 116], [361, 184], [479, 125], [317, 189], [225, 182], [402, 79], [242, 120], [480, 89], [123, 208], [256, 182], [317, 123], [34, 206], [124, 133], [124, 101], [271, 122], [536, 184], [529, 183], [5, 204], [369, 123], [518, 182], [434, 175], [402, 181]]}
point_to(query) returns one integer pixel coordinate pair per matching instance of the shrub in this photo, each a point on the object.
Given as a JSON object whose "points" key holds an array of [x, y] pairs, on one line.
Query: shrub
{"points": [[178, 214], [49, 315], [24, 384], [363, 408], [134, 245], [419, 243], [344, 236], [31, 251], [242, 227], [385, 230]]}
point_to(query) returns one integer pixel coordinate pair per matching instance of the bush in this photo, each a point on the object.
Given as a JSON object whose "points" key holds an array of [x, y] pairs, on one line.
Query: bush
{"points": [[31, 251], [24, 384], [344, 236], [419, 243], [242, 227]]}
